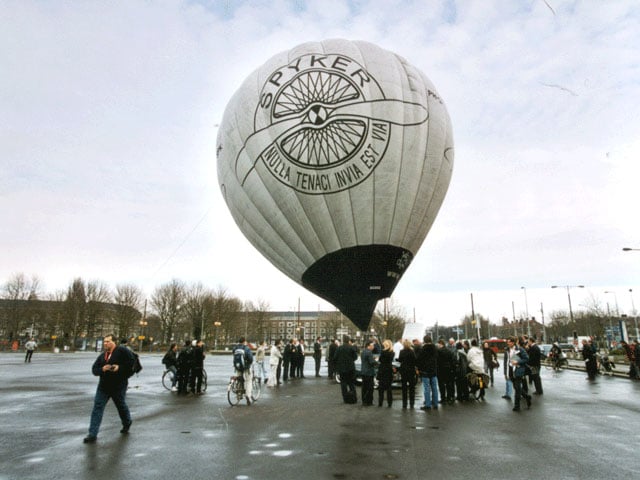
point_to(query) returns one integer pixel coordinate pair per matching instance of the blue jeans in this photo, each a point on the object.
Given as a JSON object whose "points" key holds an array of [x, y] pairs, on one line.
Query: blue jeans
{"points": [[430, 391], [100, 402], [174, 375], [509, 386]]}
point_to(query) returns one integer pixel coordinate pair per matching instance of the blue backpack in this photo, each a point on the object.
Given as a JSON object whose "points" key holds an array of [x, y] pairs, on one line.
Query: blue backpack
{"points": [[240, 360]]}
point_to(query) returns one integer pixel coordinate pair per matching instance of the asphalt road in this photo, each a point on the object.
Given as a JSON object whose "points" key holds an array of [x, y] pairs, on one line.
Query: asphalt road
{"points": [[577, 429]]}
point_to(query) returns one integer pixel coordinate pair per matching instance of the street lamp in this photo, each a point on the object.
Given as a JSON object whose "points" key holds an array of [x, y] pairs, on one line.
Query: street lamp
{"points": [[633, 311], [526, 307], [569, 287], [612, 338], [143, 323], [215, 339], [616, 299]]}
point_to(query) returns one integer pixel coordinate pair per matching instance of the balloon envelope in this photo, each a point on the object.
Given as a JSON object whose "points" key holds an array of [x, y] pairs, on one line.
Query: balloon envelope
{"points": [[334, 158]]}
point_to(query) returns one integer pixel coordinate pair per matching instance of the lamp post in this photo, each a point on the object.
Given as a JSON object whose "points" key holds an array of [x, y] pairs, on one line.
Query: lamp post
{"points": [[215, 338], [616, 299], [526, 309], [634, 313], [569, 287], [609, 314]]}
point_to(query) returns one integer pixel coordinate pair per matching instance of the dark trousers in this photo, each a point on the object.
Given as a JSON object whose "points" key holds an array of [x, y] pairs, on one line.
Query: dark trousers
{"points": [[367, 390], [27, 357], [278, 372], [195, 382], [592, 368], [462, 387], [348, 384], [317, 359], [381, 395], [446, 385], [518, 386], [285, 369], [537, 382], [409, 381], [183, 379], [100, 402]]}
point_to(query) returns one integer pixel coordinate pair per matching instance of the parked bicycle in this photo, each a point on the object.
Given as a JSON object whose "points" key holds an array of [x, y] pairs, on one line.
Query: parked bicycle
{"points": [[236, 390], [477, 384], [167, 379]]}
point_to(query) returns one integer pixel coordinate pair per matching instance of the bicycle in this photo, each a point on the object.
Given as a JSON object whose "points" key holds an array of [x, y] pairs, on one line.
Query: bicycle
{"points": [[167, 379], [236, 390], [477, 384], [556, 364]]}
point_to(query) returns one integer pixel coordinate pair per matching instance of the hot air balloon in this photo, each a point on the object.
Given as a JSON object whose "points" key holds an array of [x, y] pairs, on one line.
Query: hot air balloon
{"points": [[334, 158]]}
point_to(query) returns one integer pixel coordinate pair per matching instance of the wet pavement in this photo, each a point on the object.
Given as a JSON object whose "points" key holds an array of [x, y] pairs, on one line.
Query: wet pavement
{"points": [[303, 431]]}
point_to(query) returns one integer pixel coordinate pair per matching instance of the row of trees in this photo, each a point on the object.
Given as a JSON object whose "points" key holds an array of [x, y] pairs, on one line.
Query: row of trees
{"points": [[175, 310]]}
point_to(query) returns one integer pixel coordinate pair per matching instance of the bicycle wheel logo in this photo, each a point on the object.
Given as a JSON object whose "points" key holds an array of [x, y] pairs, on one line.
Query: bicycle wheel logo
{"points": [[323, 124]]}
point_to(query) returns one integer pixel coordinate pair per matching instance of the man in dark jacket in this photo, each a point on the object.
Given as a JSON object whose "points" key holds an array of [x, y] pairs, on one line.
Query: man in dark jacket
{"points": [[368, 371], [113, 367], [317, 354], [185, 364], [446, 373], [535, 357], [427, 363], [590, 360], [286, 360], [195, 381], [345, 358], [331, 362]]}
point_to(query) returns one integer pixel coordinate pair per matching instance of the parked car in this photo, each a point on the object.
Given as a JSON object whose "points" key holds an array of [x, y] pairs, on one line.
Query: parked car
{"points": [[545, 348]]}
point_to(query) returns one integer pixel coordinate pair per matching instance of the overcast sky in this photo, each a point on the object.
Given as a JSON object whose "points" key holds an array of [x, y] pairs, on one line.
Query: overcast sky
{"points": [[109, 114]]}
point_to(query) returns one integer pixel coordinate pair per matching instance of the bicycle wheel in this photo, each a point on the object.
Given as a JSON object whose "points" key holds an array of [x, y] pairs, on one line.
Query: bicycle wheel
{"points": [[204, 380], [233, 395], [167, 379], [256, 389]]}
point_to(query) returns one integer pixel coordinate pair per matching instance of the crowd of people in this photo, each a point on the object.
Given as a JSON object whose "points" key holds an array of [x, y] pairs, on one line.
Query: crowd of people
{"points": [[448, 371]]}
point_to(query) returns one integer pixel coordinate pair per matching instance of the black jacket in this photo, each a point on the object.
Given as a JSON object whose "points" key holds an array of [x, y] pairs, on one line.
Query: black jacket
{"points": [[345, 358], [427, 360], [407, 359], [112, 381]]}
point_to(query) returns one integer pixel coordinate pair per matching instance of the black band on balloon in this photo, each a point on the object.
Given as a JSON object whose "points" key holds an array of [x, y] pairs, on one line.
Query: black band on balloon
{"points": [[354, 279]]}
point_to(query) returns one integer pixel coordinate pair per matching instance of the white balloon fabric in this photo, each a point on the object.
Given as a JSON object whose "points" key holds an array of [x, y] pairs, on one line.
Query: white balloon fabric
{"points": [[334, 158]]}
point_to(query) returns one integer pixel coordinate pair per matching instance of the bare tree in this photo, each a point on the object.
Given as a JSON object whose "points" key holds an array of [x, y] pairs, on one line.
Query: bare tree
{"points": [[128, 299], [98, 294], [75, 312], [167, 300], [258, 316], [198, 310], [18, 289]]}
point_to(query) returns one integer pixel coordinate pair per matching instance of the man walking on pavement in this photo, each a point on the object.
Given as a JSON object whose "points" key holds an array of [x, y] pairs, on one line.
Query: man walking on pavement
{"points": [[113, 367]]}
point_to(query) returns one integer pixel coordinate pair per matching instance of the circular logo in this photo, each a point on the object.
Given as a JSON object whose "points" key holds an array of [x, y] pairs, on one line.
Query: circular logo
{"points": [[319, 123]]}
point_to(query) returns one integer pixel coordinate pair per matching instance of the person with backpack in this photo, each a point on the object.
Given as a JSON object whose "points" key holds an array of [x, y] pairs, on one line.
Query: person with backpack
{"points": [[113, 367], [242, 360]]}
